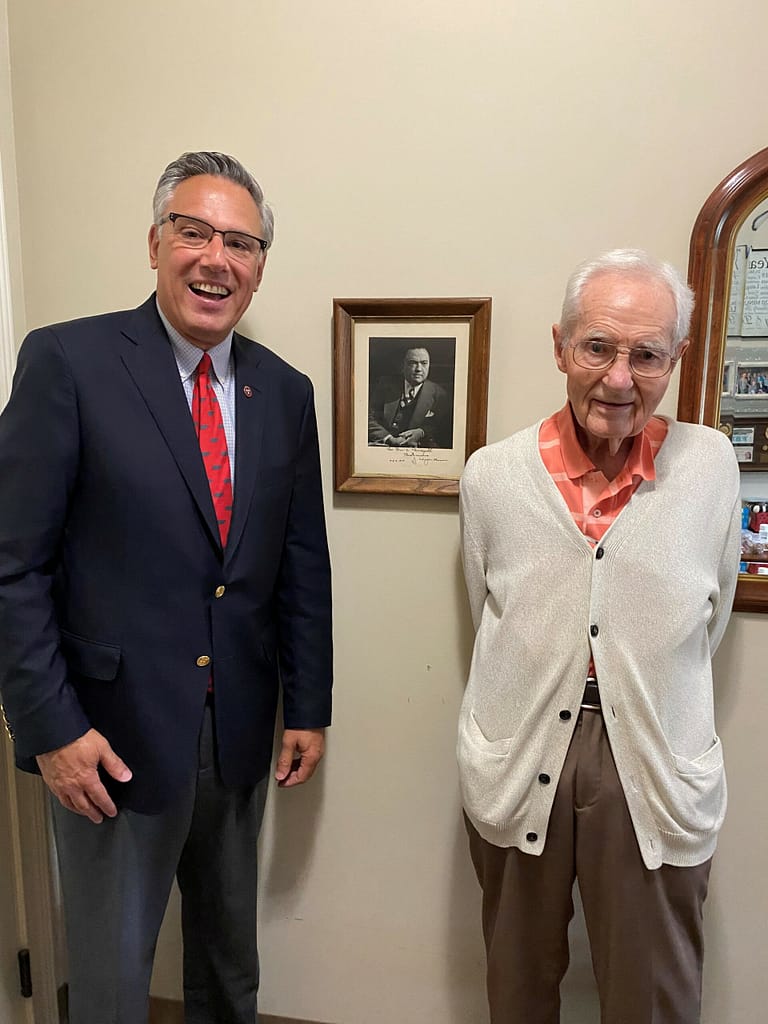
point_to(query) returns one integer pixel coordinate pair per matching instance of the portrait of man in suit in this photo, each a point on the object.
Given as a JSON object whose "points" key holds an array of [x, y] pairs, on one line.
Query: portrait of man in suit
{"points": [[407, 410], [164, 577]]}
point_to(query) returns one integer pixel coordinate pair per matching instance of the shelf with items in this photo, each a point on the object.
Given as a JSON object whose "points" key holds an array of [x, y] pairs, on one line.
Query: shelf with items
{"points": [[749, 437]]}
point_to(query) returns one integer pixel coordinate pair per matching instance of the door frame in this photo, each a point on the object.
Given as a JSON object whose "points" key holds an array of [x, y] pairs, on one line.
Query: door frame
{"points": [[37, 909]]}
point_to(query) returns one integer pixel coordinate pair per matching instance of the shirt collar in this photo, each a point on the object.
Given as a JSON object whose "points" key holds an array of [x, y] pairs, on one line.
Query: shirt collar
{"points": [[577, 463], [188, 355]]}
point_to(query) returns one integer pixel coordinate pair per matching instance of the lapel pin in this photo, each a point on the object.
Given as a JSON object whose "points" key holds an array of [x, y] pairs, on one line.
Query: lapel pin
{"points": [[248, 391]]}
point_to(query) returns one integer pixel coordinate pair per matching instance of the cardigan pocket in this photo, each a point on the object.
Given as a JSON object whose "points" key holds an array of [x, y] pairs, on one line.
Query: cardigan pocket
{"points": [[491, 789], [695, 796], [709, 761], [495, 748]]}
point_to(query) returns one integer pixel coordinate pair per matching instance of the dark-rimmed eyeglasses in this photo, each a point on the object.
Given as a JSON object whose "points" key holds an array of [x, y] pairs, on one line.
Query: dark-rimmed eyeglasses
{"points": [[193, 233], [644, 361]]}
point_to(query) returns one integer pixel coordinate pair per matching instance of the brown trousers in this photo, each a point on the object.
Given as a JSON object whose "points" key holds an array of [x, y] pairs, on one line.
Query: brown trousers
{"points": [[645, 927]]}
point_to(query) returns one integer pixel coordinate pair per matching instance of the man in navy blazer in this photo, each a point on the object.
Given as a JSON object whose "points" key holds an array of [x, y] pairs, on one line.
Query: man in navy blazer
{"points": [[141, 658]]}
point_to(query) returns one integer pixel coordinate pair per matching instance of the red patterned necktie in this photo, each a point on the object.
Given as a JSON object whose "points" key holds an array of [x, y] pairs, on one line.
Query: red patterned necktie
{"points": [[206, 415]]}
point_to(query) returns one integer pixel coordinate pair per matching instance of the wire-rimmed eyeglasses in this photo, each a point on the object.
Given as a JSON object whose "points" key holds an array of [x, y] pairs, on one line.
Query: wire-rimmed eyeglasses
{"points": [[643, 360], [193, 233]]}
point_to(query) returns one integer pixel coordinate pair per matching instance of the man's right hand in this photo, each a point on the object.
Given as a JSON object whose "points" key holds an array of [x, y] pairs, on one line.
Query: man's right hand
{"points": [[412, 438], [71, 774]]}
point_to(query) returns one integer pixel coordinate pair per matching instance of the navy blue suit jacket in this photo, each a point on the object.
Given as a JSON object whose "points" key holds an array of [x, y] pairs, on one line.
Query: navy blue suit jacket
{"points": [[432, 411], [110, 558]]}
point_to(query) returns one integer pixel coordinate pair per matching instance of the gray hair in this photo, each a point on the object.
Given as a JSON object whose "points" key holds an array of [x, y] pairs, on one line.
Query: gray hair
{"points": [[635, 263], [189, 165]]}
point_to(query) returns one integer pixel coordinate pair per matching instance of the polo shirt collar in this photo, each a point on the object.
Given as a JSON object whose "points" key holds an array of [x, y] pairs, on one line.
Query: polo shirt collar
{"points": [[577, 463]]}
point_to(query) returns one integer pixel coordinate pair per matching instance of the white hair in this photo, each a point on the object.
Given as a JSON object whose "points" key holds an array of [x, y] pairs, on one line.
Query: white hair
{"points": [[634, 263]]}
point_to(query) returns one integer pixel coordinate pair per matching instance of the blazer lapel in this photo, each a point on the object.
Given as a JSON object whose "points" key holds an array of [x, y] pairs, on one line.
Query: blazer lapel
{"points": [[151, 363], [390, 408], [250, 401], [423, 402]]}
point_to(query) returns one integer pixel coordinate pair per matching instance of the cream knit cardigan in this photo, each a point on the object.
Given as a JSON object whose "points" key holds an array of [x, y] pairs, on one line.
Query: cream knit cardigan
{"points": [[651, 601]]}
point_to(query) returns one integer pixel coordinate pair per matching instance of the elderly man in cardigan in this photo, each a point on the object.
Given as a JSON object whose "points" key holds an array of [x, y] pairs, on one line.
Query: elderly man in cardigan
{"points": [[600, 552]]}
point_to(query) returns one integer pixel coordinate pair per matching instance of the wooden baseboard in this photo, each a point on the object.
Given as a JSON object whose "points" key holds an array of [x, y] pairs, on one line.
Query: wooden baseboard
{"points": [[170, 1011]]}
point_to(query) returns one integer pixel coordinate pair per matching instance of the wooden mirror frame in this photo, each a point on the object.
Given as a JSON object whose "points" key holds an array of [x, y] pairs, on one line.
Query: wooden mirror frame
{"points": [[709, 274]]}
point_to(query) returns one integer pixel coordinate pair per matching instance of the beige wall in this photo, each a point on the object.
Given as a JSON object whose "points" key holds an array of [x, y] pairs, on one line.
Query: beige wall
{"points": [[409, 148], [14, 316]]}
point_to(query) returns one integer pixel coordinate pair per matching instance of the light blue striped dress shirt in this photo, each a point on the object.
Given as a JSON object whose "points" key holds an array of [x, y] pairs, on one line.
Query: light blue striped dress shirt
{"points": [[223, 379]]}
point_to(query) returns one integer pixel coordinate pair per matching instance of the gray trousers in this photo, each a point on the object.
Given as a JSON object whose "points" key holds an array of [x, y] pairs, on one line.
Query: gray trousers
{"points": [[116, 878], [645, 927]]}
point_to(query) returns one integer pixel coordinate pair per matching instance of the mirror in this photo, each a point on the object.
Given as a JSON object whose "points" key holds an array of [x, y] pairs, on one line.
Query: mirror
{"points": [[724, 375]]}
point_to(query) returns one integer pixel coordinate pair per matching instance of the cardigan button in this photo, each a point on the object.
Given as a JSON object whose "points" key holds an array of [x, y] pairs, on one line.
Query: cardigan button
{"points": [[565, 715], [600, 552], [532, 837], [544, 779], [593, 630]]}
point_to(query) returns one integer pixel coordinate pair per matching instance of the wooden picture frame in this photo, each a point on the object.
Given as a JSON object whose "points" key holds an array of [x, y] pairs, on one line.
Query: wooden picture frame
{"points": [[751, 380], [729, 378], [714, 242], [410, 392]]}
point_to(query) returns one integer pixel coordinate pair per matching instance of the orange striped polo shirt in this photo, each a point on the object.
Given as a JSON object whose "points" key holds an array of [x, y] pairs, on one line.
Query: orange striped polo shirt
{"points": [[593, 501]]}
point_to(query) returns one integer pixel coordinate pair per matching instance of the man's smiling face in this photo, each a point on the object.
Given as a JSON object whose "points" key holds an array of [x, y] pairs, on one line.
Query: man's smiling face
{"points": [[611, 405], [204, 292]]}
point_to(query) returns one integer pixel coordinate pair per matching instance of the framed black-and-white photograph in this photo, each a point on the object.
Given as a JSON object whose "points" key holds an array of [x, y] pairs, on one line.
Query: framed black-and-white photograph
{"points": [[729, 375], [751, 380], [410, 392]]}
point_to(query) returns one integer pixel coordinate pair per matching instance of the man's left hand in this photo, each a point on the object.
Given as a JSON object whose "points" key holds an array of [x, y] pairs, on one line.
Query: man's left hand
{"points": [[300, 754]]}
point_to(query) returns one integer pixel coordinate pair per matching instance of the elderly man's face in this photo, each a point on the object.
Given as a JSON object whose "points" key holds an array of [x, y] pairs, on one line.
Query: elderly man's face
{"points": [[612, 404], [204, 292], [416, 366]]}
